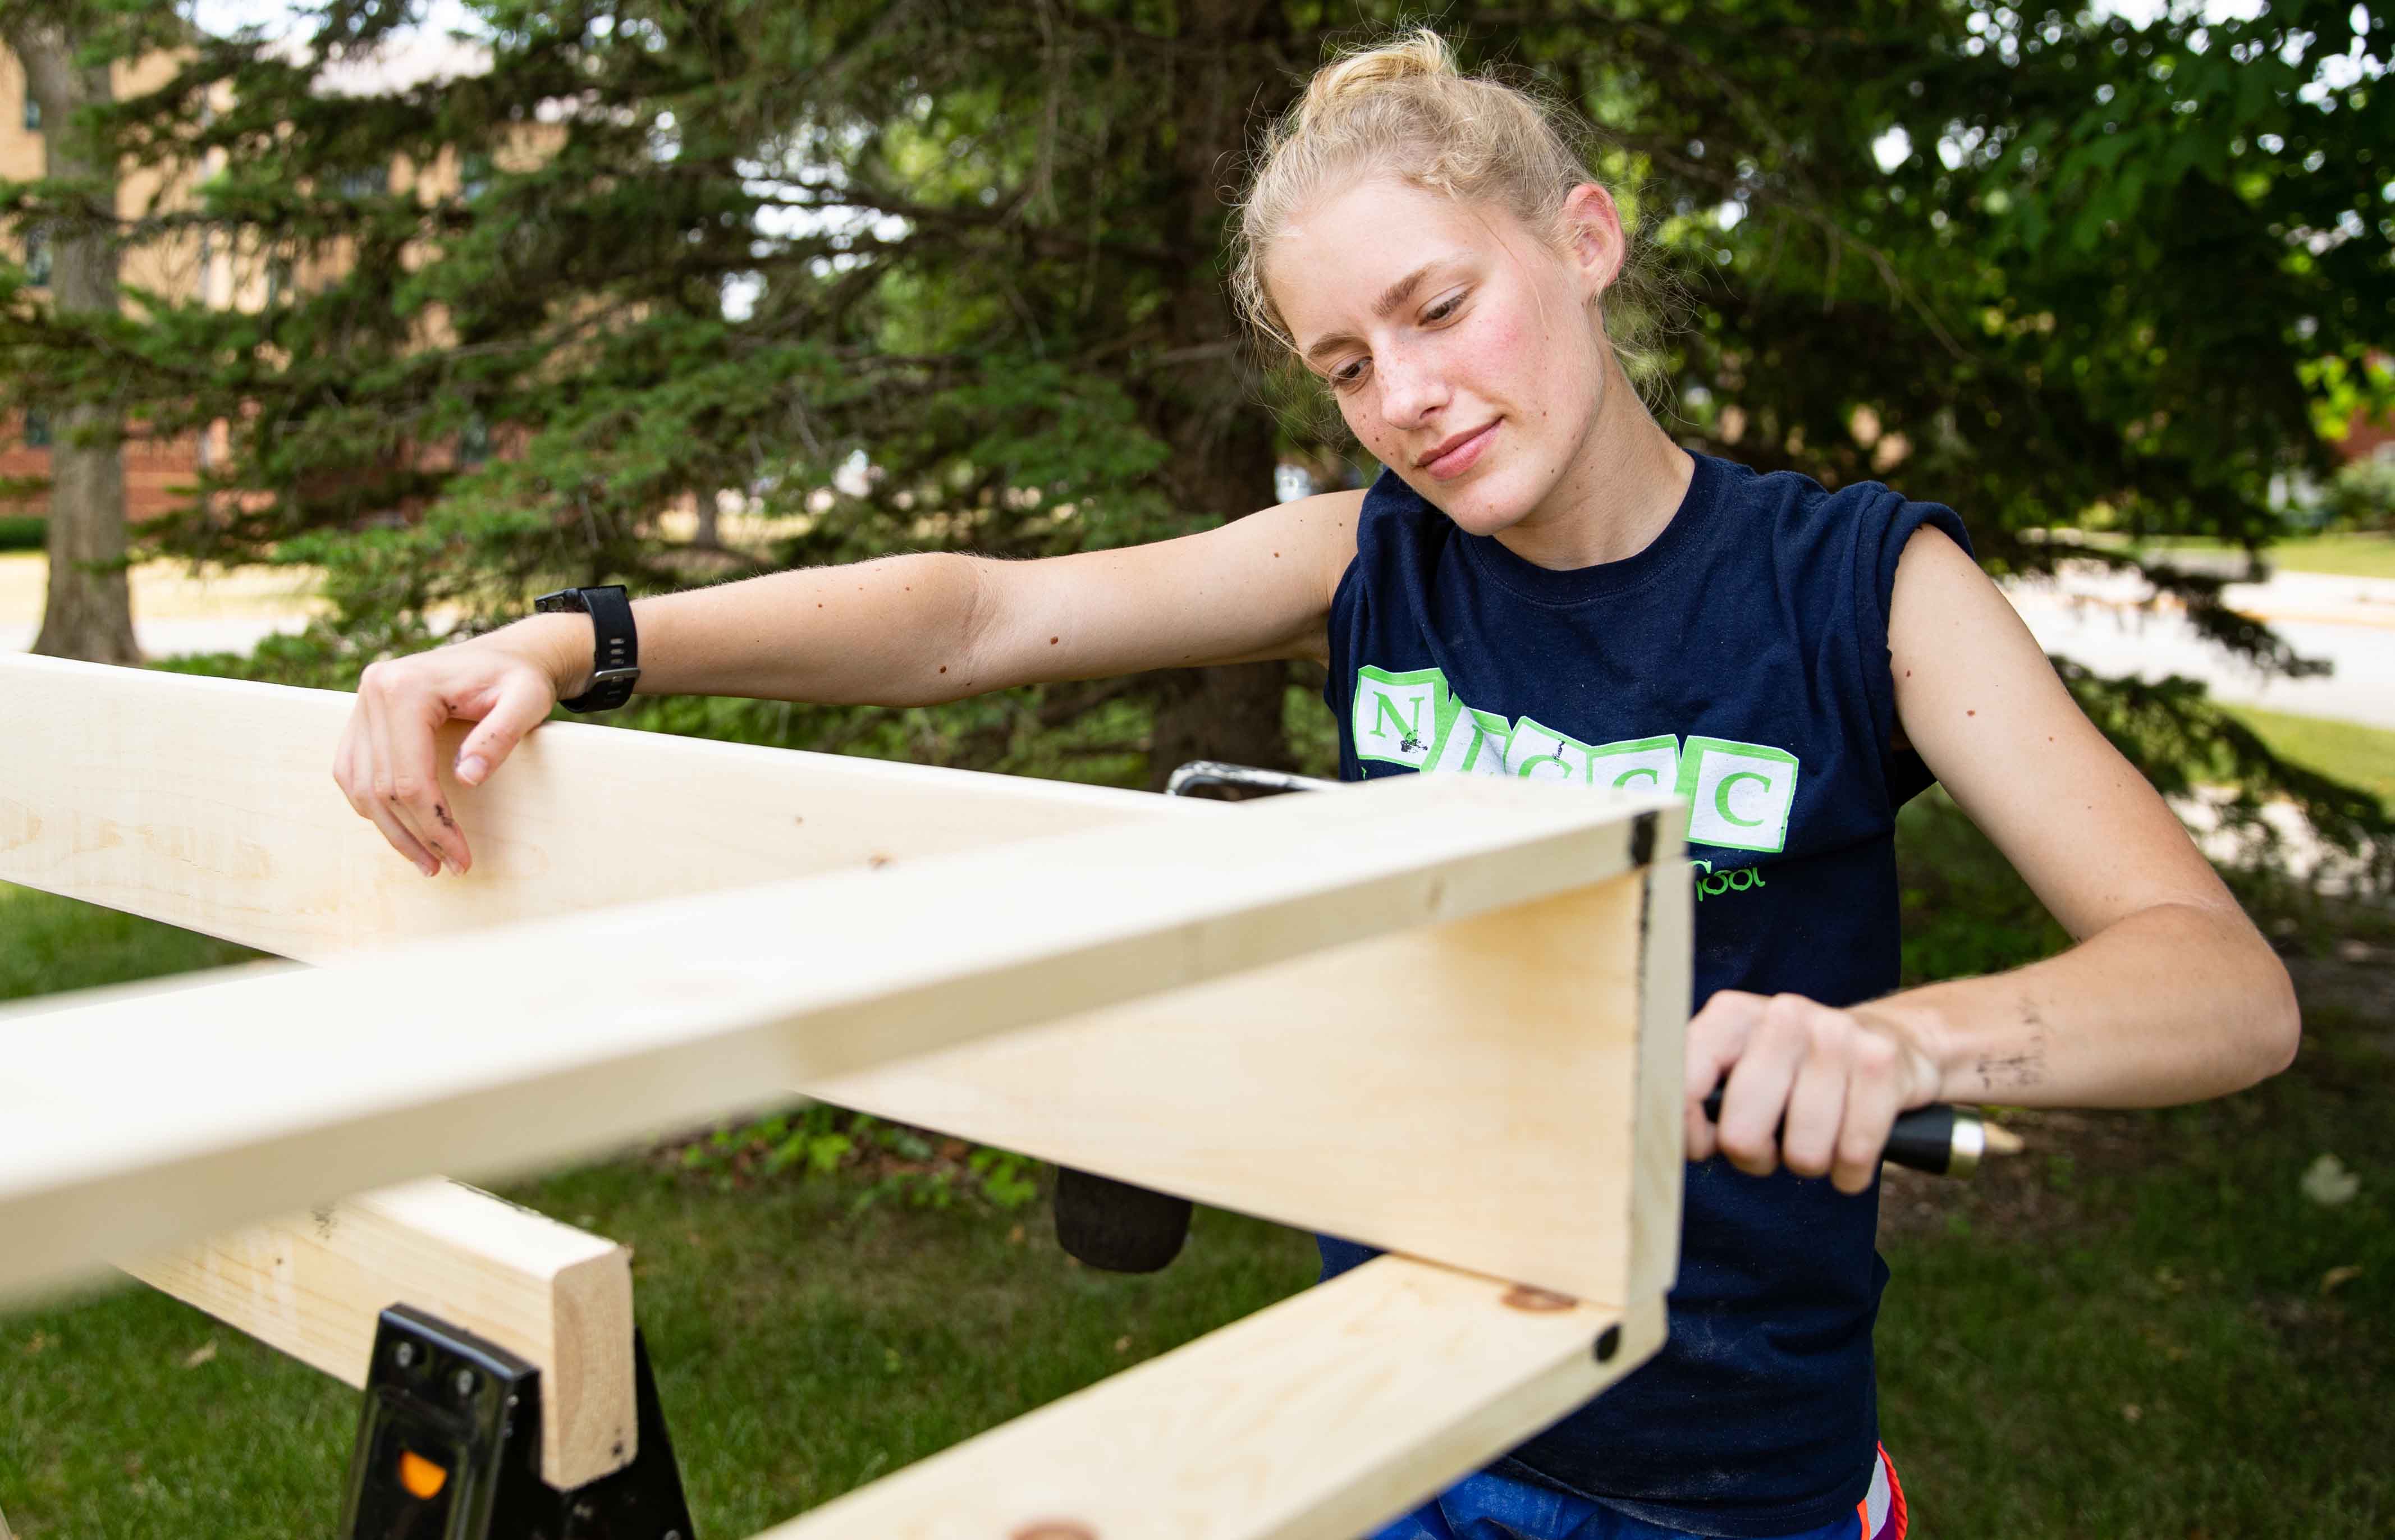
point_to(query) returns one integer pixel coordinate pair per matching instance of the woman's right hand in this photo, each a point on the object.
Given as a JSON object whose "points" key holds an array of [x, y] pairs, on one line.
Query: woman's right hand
{"points": [[385, 762]]}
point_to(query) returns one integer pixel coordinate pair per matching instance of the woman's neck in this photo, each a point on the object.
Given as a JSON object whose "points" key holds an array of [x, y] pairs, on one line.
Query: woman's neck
{"points": [[1622, 488]]}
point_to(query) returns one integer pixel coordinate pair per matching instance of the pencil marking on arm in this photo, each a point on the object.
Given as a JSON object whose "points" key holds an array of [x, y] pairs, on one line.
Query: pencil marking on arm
{"points": [[2023, 1068]]}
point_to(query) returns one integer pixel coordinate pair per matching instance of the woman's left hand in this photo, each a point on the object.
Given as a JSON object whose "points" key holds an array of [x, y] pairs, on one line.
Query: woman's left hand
{"points": [[1810, 1087]]}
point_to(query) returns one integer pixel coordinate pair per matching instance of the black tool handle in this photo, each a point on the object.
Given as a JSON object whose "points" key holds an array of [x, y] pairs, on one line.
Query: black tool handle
{"points": [[1117, 1226], [1120, 1225], [1926, 1138]]}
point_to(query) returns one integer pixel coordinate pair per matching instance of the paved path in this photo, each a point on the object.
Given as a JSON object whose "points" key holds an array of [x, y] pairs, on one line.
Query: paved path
{"points": [[2099, 620], [167, 638], [173, 611]]}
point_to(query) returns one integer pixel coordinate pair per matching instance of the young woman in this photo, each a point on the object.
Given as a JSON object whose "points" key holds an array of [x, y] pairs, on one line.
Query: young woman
{"points": [[1543, 584]]}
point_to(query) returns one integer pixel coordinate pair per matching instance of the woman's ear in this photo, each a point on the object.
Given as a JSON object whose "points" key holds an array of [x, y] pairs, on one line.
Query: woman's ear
{"points": [[1592, 242]]}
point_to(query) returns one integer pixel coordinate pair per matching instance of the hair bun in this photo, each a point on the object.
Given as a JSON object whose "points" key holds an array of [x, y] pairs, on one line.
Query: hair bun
{"points": [[1417, 54]]}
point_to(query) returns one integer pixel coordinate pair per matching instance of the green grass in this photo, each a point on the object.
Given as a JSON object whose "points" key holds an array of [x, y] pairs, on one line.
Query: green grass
{"points": [[2358, 755], [2348, 554], [802, 1350], [48, 944], [805, 1346], [2173, 1354]]}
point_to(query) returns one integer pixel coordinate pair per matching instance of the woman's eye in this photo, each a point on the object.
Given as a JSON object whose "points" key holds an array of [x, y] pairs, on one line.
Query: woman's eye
{"points": [[1347, 375], [1444, 309]]}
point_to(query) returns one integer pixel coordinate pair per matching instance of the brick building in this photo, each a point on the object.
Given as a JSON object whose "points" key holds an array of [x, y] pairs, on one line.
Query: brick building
{"points": [[208, 266], [153, 468]]}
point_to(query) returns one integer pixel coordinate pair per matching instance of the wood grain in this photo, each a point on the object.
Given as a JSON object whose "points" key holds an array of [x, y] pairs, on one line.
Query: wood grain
{"points": [[1459, 1092], [210, 804], [313, 1285], [1316, 1420], [1659, 1170], [1305, 1007], [139, 1124]]}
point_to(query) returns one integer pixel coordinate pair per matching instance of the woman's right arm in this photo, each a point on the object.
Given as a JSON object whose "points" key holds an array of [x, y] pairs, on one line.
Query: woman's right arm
{"points": [[905, 630]]}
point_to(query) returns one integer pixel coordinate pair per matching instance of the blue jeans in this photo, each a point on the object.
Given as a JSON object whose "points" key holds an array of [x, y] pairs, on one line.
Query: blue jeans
{"points": [[1494, 1507]]}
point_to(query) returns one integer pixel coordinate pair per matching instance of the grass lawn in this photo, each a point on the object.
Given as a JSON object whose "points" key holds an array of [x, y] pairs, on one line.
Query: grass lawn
{"points": [[2358, 755], [2350, 555], [802, 1350], [2141, 1328]]}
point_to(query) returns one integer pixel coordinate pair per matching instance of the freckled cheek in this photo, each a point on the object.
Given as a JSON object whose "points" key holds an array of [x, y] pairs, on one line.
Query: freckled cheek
{"points": [[1519, 372], [1506, 337], [1372, 429], [1489, 363]]}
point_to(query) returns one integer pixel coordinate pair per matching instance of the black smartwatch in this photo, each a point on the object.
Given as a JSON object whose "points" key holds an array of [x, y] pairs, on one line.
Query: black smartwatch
{"points": [[615, 651]]}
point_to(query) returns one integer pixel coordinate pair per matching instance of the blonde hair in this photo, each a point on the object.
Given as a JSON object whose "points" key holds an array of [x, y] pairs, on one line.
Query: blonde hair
{"points": [[1403, 110]]}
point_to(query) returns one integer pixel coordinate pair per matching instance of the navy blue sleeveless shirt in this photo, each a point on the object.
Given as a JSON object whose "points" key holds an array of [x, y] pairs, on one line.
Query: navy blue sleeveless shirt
{"points": [[1741, 659]]}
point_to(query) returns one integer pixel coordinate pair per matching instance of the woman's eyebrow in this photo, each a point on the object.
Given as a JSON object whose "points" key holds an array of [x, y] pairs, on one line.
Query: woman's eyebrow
{"points": [[1399, 292], [1391, 297]]}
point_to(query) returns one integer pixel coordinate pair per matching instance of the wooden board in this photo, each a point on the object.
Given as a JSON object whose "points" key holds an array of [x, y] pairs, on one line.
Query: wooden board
{"points": [[210, 804], [1464, 1092], [1659, 1170], [135, 1126], [1317, 1419], [313, 1283]]}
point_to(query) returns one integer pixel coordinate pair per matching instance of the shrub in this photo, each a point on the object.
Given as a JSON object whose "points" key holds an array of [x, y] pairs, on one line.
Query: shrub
{"points": [[2362, 497]]}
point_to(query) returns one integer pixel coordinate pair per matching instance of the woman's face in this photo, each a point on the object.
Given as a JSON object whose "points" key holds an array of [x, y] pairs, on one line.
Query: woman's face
{"points": [[1462, 348]]}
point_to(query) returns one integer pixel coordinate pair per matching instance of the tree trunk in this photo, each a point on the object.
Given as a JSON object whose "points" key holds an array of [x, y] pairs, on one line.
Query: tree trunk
{"points": [[89, 613], [1203, 399]]}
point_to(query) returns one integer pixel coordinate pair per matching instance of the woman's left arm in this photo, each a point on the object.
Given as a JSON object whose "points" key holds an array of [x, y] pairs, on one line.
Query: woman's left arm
{"points": [[2169, 996]]}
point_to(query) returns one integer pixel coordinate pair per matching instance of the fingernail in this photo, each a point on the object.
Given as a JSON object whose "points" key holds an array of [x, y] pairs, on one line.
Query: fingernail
{"points": [[429, 869], [471, 769], [454, 869]]}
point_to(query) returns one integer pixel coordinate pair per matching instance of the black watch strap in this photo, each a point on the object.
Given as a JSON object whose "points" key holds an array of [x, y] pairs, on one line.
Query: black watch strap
{"points": [[615, 651]]}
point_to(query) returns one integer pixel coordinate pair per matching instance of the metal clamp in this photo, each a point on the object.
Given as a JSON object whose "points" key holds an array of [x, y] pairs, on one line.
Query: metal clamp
{"points": [[448, 1448]]}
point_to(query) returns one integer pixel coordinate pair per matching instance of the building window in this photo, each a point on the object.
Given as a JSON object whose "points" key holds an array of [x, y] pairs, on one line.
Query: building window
{"points": [[32, 113], [474, 176], [207, 255], [37, 257], [38, 430], [473, 442], [371, 182]]}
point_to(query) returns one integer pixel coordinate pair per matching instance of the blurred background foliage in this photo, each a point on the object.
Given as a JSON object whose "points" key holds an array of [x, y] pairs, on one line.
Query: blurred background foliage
{"points": [[849, 278]]}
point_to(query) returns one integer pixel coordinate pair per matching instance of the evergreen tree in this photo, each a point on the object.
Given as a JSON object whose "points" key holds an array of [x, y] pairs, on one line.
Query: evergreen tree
{"points": [[64, 49], [962, 263]]}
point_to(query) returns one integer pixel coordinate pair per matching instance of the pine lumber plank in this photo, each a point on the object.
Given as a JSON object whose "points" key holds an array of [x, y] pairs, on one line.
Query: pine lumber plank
{"points": [[313, 1284], [1461, 1092], [1658, 1169], [138, 1125], [210, 804], [1315, 1419]]}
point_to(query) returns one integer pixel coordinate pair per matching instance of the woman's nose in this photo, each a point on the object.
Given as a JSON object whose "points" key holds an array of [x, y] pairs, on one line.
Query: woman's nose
{"points": [[1410, 391]]}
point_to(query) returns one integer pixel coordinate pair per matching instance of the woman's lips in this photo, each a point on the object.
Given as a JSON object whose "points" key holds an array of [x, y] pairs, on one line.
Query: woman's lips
{"points": [[1456, 461]]}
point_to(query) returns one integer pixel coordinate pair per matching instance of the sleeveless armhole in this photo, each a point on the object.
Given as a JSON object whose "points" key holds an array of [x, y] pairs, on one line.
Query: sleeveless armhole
{"points": [[1884, 527], [1349, 598]]}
